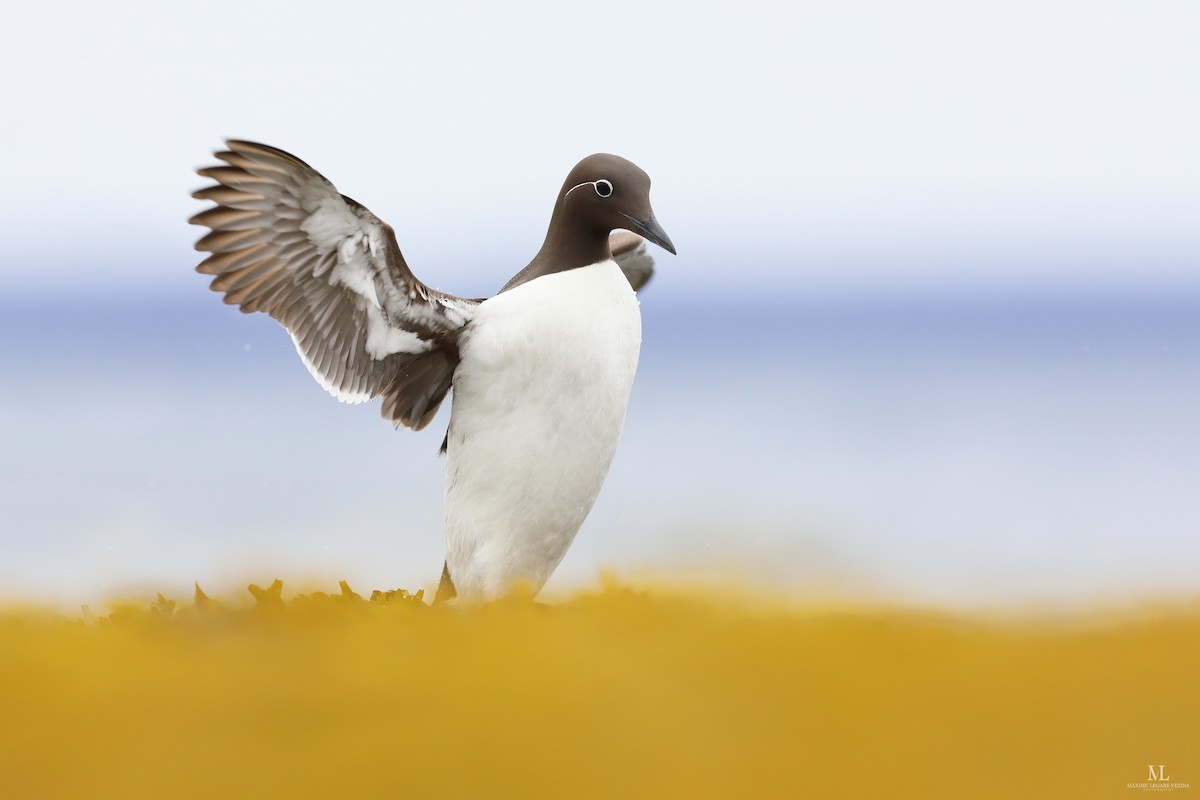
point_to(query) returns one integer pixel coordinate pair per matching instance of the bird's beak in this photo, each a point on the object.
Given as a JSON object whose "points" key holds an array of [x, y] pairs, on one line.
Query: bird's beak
{"points": [[651, 231]]}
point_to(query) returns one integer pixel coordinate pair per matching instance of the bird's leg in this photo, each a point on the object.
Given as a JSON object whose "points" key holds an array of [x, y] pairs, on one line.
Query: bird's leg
{"points": [[445, 590]]}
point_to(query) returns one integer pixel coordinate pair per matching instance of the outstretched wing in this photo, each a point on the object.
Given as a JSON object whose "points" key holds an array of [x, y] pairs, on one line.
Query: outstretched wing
{"points": [[285, 242], [629, 251]]}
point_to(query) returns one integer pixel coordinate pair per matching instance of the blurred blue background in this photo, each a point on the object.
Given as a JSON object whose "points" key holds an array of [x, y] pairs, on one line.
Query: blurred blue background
{"points": [[933, 331]]}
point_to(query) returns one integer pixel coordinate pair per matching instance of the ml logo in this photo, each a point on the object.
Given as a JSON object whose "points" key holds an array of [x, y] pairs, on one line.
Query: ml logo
{"points": [[1158, 780], [1158, 774]]}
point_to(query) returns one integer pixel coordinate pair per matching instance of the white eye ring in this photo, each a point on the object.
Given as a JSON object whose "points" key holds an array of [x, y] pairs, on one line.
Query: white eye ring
{"points": [[603, 188]]}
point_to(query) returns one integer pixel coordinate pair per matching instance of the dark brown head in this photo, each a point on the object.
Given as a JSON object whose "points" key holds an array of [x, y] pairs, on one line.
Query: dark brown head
{"points": [[605, 192], [601, 194]]}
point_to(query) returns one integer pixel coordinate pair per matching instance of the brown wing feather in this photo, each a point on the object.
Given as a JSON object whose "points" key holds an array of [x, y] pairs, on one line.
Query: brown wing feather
{"points": [[629, 251], [283, 241]]}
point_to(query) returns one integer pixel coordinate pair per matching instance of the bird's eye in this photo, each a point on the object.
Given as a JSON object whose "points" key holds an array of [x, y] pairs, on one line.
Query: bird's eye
{"points": [[603, 188]]}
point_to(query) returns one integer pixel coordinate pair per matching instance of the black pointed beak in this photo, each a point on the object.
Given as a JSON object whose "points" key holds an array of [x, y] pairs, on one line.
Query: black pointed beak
{"points": [[651, 231]]}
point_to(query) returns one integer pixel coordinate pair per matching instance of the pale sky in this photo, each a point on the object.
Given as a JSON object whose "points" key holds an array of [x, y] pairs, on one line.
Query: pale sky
{"points": [[808, 147]]}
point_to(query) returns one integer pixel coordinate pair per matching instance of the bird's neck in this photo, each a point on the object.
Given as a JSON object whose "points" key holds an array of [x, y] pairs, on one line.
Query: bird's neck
{"points": [[569, 244]]}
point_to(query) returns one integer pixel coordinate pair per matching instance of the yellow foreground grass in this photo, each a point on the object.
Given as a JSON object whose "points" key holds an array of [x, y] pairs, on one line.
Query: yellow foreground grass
{"points": [[616, 694]]}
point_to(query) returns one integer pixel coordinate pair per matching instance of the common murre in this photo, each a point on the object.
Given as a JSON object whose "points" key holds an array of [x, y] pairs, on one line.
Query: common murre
{"points": [[541, 372]]}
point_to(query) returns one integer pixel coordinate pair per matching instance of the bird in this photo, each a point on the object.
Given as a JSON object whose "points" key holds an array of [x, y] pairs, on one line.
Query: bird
{"points": [[539, 374]]}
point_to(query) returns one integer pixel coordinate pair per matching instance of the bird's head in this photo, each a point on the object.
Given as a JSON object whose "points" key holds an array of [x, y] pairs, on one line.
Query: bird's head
{"points": [[605, 192]]}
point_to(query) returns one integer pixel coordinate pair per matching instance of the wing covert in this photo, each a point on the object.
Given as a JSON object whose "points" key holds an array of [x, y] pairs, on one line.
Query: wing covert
{"points": [[630, 253]]}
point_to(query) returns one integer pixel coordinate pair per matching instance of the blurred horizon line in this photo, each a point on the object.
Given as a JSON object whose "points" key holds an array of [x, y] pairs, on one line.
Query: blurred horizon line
{"points": [[672, 292]]}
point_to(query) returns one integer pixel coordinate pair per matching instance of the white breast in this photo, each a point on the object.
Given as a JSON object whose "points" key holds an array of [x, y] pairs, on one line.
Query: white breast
{"points": [[539, 402]]}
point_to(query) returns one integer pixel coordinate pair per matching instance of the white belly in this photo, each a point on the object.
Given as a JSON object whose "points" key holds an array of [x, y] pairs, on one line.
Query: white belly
{"points": [[539, 402]]}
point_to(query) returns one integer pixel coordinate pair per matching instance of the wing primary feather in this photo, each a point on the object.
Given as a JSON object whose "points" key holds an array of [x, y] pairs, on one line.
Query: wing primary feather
{"points": [[256, 165], [235, 176], [224, 195], [231, 219], [233, 259], [222, 241]]}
